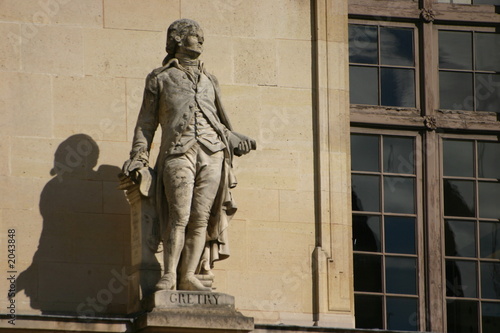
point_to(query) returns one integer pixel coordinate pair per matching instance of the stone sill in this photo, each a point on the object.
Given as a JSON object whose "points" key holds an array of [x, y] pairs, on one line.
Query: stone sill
{"points": [[259, 328]]}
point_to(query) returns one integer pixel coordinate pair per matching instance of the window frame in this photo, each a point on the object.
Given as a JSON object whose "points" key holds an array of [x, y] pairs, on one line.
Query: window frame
{"points": [[419, 220]]}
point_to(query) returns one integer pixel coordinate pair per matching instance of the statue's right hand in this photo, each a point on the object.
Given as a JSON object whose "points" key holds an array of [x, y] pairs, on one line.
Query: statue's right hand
{"points": [[131, 165]]}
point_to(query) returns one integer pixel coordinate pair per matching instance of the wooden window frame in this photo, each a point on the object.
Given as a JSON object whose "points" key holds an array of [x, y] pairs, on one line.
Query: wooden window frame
{"points": [[419, 220]]}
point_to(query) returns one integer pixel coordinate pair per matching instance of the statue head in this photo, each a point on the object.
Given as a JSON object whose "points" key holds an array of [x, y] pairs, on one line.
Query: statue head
{"points": [[181, 36]]}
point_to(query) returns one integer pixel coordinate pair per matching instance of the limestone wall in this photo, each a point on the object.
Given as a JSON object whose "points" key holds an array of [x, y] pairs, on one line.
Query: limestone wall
{"points": [[71, 80]]}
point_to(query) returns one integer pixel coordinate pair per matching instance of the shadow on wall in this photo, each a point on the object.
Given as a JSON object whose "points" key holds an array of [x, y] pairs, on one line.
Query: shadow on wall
{"points": [[84, 249]]}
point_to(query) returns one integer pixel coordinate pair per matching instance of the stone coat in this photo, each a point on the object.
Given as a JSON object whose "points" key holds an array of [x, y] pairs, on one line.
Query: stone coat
{"points": [[170, 98]]}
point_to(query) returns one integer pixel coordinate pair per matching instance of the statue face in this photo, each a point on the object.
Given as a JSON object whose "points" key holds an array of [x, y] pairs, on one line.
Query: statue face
{"points": [[192, 44]]}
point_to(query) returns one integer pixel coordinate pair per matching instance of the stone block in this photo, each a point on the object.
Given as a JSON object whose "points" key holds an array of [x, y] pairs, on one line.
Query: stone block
{"points": [[257, 204], [243, 105], [27, 96], [42, 52], [123, 53], [10, 47], [33, 157], [114, 199], [255, 61], [174, 311], [5, 152], [91, 105], [20, 194], [153, 15], [78, 13], [293, 55], [296, 206], [218, 58]]}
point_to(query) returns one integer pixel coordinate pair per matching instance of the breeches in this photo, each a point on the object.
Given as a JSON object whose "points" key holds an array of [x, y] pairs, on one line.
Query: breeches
{"points": [[191, 183]]}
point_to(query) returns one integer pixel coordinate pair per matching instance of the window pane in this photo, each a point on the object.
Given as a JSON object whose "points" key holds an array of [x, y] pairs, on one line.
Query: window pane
{"points": [[461, 278], [458, 158], [401, 275], [398, 87], [487, 2], [487, 50], [369, 312], [363, 44], [455, 50], [490, 239], [491, 317], [460, 238], [490, 280], [364, 152], [396, 46], [488, 92], [402, 314], [488, 154], [489, 196], [366, 265], [455, 91], [366, 233], [363, 85], [399, 234], [398, 155], [399, 195], [366, 193], [459, 198], [462, 316]]}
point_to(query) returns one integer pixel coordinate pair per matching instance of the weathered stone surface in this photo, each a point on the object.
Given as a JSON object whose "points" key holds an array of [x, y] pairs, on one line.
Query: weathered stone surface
{"points": [[190, 310], [153, 15]]}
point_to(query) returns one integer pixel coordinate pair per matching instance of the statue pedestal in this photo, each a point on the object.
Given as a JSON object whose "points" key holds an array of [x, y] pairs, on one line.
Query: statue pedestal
{"points": [[192, 311]]}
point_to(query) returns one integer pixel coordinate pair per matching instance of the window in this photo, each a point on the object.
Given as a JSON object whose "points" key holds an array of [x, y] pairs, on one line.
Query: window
{"points": [[385, 231], [471, 190], [425, 124], [474, 2], [382, 70], [468, 66]]}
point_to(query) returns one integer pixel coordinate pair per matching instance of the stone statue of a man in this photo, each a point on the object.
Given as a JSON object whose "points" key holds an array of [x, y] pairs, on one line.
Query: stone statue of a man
{"points": [[193, 170]]}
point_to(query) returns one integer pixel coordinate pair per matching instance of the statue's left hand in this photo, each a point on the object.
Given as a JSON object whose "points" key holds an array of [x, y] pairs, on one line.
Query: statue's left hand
{"points": [[245, 146]]}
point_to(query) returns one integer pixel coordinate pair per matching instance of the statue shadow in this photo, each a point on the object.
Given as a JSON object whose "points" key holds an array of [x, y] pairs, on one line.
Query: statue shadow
{"points": [[80, 265]]}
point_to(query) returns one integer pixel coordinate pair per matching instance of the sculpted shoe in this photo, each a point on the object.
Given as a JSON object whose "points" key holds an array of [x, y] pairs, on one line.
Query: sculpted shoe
{"points": [[192, 283], [167, 282]]}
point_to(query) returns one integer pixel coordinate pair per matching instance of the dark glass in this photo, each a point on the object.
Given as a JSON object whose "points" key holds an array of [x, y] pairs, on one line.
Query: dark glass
{"points": [[458, 158], [402, 314], [461, 278], [459, 198], [364, 152], [367, 272], [487, 2], [396, 46], [398, 87], [489, 196], [460, 238], [488, 154], [363, 44], [455, 49], [399, 195], [487, 92], [462, 316], [401, 275], [487, 50], [399, 155], [455, 91], [363, 85], [399, 234], [366, 233], [491, 317], [369, 313], [490, 280], [490, 239], [366, 193]]}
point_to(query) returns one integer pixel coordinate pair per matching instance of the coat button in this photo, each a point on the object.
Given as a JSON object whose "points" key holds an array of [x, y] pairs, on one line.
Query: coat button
{"points": [[191, 106], [194, 86]]}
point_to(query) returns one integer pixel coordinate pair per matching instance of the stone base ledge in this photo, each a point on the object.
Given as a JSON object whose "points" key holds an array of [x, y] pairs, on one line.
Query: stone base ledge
{"points": [[191, 311]]}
